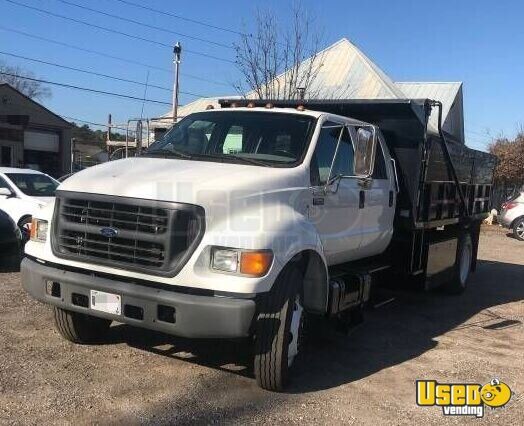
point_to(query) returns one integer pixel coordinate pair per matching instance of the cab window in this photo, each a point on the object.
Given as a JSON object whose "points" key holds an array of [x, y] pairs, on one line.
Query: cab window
{"points": [[379, 171], [325, 151]]}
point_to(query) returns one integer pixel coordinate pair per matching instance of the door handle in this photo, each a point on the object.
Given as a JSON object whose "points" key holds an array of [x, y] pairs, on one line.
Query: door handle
{"points": [[361, 199], [390, 198]]}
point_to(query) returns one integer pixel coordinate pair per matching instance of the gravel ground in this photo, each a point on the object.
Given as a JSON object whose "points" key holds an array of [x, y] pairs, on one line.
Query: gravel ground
{"points": [[368, 376]]}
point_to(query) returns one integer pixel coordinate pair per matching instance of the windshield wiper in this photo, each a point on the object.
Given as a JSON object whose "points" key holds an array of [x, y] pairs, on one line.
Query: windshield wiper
{"points": [[249, 160], [166, 151], [234, 157]]}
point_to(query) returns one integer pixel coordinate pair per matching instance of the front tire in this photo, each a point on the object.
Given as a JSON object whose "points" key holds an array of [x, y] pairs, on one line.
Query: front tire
{"points": [[80, 328], [278, 332], [462, 268], [518, 229]]}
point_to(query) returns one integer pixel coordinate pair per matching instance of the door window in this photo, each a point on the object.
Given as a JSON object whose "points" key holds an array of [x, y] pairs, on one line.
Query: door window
{"points": [[325, 151], [380, 171]]}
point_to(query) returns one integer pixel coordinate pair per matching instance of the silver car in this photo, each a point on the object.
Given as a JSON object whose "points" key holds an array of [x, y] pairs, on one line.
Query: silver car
{"points": [[512, 215]]}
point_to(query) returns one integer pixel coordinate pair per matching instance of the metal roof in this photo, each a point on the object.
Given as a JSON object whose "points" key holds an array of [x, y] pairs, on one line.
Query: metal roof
{"points": [[345, 72], [449, 93]]}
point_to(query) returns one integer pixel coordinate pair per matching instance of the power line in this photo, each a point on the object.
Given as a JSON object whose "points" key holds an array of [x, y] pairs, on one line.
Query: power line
{"points": [[112, 77], [90, 122], [86, 89], [173, 15], [111, 30], [154, 27], [106, 55]]}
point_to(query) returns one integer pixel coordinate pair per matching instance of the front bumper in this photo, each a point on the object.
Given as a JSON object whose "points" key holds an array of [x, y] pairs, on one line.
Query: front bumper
{"points": [[194, 315]]}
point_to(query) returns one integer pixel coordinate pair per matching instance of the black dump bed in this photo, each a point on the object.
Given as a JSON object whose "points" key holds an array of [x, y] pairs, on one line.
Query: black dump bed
{"points": [[429, 195]]}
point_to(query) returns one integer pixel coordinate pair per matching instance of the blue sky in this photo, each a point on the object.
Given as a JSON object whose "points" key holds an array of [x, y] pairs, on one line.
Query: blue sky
{"points": [[478, 42]]}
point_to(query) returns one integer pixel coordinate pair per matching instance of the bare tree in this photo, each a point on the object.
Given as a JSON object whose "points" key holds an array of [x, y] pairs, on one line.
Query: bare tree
{"points": [[14, 76], [510, 155], [278, 63]]}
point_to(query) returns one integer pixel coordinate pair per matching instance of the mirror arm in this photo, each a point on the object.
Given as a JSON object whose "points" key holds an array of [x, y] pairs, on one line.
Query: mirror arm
{"points": [[395, 174], [333, 160]]}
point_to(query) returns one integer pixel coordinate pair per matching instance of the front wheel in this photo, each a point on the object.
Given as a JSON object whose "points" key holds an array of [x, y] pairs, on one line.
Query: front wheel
{"points": [[80, 328], [518, 229], [279, 329]]}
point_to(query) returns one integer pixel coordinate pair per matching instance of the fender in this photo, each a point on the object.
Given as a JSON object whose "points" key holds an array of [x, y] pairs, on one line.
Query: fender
{"points": [[288, 232]]}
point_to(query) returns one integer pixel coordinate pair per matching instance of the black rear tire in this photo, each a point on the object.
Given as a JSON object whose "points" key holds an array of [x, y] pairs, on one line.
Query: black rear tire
{"points": [[272, 334], [462, 267], [518, 229], [80, 328]]}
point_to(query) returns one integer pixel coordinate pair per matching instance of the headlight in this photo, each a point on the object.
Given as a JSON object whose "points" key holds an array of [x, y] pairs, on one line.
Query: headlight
{"points": [[225, 260], [253, 263], [39, 230]]}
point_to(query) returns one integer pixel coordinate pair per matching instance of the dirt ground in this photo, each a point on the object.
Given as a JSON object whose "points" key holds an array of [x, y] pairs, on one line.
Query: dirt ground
{"points": [[366, 377]]}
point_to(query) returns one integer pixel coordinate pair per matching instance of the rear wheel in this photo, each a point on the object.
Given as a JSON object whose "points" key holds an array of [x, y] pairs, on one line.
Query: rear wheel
{"points": [[462, 266], [518, 229], [80, 328], [279, 330]]}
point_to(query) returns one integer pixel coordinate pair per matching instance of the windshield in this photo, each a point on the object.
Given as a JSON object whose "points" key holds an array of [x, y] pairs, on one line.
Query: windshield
{"points": [[259, 138], [33, 184]]}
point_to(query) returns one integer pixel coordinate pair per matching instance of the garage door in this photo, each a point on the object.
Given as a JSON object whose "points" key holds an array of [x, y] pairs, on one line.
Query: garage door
{"points": [[41, 141]]}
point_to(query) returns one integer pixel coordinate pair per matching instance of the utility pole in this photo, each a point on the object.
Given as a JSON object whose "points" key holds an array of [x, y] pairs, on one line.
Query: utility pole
{"points": [[108, 128], [177, 50], [72, 154]]}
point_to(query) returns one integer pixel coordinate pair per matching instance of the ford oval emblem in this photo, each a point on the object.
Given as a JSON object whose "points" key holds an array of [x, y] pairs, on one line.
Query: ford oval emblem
{"points": [[109, 232]]}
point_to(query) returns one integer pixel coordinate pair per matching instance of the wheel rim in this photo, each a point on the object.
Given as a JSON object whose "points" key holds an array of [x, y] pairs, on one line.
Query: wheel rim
{"points": [[520, 229], [465, 264], [294, 330]]}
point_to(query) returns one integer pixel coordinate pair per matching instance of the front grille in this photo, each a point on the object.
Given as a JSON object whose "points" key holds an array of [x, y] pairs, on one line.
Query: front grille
{"points": [[143, 235]]}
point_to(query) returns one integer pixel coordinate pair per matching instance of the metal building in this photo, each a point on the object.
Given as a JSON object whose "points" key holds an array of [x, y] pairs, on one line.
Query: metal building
{"points": [[31, 136], [345, 72]]}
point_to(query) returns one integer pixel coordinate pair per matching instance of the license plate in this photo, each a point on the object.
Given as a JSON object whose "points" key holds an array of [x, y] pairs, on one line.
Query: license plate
{"points": [[106, 302]]}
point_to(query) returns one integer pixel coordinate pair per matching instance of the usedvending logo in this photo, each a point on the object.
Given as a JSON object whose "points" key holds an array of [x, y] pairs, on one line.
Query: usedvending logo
{"points": [[462, 399]]}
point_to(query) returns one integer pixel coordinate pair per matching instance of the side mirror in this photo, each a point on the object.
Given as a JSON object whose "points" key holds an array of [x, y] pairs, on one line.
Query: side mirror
{"points": [[364, 152], [6, 192]]}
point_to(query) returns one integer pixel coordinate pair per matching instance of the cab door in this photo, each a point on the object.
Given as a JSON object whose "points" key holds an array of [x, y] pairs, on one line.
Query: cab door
{"points": [[334, 209], [378, 204]]}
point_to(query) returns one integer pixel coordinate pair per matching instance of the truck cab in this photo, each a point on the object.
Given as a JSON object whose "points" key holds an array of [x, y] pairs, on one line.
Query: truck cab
{"points": [[236, 224]]}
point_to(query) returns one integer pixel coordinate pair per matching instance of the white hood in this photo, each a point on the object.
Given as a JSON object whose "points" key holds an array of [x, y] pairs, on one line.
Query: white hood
{"points": [[184, 181]]}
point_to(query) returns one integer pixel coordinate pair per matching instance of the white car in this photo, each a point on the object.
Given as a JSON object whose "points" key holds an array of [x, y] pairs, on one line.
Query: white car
{"points": [[23, 192], [512, 215]]}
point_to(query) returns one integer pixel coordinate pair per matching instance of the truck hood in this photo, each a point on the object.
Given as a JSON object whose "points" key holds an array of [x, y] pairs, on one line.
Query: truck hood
{"points": [[186, 181]]}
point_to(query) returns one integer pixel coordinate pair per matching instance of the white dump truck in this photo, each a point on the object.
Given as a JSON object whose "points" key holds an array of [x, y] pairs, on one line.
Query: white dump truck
{"points": [[244, 219]]}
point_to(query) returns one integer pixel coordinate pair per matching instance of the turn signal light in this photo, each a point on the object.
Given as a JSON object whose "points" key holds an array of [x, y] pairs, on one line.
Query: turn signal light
{"points": [[255, 263]]}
